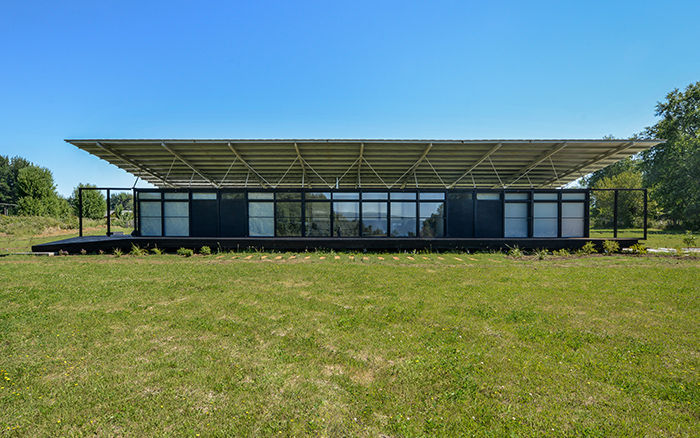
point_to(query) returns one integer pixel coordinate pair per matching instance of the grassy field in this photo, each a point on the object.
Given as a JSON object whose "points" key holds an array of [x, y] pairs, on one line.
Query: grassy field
{"points": [[656, 238], [339, 344]]}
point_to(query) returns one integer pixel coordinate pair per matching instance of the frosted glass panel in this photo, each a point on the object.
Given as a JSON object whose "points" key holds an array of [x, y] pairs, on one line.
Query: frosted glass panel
{"points": [[403, 195], [572, 209], [177, 226], [545, 209], [545, 196], [150, 226], [149, 195], [572, 227], [261, 226], [516, 209], [177, 209], [432, 196], [261, 209], [149, 208], [545, 228], [256, 195], [375, 195], [204, 196], [569, 196], [516, 228], [176, 195]]}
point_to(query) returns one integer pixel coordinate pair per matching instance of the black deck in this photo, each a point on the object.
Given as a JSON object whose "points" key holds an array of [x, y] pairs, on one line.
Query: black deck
{"points": [[124, 242]]}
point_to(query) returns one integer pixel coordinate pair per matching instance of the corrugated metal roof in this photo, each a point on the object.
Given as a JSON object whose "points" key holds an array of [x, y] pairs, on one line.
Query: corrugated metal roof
{"points": [[386, 163]]}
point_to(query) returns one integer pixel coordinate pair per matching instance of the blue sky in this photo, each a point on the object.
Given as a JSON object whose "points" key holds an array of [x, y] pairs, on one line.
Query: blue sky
{"points": [[288, 69]]}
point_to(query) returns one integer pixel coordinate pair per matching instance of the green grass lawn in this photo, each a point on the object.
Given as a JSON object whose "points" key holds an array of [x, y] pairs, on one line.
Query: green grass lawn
{"points": [[656, 238], [270, 344]]}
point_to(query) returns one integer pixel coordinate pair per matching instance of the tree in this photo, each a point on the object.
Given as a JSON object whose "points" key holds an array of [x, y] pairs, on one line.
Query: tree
{"points": [[9, 170], [627, 164], [672, 169], [36, 192], [630, 205], [94, 203], [122, 200]]}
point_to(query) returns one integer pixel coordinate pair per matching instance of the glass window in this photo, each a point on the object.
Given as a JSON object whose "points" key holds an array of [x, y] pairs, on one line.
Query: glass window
{"points": [[177, 226], [403, 219], [261, 219], [204, 196], [517, 196], [346, 219], [403, 195], [318, 219], [289, 196], [312, 196], [573, 196], [516, 219], [572, 221], [149, 195], [176, 195], [545, 196], [261, 195], [288, 219], [374, 195], [346, 195], [431, 196], [488, 196], [150, 218], [432, 219], [545, 219], [374, 219], [176, 209]]}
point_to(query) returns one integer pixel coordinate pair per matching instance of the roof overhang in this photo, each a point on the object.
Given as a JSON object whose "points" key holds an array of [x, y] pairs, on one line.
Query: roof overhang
{"points": [[361, 163]]}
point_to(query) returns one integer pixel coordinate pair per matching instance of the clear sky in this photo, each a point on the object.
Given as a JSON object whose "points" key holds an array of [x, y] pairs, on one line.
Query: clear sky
{"points": [[331, 69]]}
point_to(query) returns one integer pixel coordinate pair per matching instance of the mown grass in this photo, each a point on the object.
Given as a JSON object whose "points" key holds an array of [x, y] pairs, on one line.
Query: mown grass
{"points": [[656, 238], [393, 345]]}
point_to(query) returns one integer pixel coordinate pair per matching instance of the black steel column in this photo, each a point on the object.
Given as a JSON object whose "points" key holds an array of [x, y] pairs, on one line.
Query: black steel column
{"points": [[615, 216], [645, 214], [80, 211], [109, 216]]}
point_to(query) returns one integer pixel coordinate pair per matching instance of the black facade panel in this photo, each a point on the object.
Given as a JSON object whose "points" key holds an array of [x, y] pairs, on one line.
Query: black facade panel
{"points": [[460, 214], [204, 218], [234, 217], [489, 218]]}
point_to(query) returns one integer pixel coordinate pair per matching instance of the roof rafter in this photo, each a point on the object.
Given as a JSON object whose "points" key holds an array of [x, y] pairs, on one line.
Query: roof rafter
{"points": [[413, 166], [481, 159], [303, 168], [142, 168], [359, 164], [599, 157], [536, 162], [263, 181], [190, 165]]}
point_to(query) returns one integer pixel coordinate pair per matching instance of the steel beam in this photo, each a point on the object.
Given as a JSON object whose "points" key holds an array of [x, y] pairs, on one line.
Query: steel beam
{"points": [[263, 181], [143, 169], [190, 165], [481, 159], [536, 162], [599, 157]]}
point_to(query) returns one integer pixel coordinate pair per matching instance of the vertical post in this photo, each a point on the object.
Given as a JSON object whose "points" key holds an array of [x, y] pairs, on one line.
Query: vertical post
{"points": [[615, 215], [645, 214], [80, 211], [109, 215]]}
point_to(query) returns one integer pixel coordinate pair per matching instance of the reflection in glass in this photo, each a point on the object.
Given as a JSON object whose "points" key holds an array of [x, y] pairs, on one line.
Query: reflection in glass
{"points": [[432, 219], [318, 219], [374, 219], [403, 219], [261, 219], [346, 219], [288, 219]]}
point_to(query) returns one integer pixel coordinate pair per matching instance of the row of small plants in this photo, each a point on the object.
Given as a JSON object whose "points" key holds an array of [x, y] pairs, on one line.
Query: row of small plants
{"points": [[609, 247]]}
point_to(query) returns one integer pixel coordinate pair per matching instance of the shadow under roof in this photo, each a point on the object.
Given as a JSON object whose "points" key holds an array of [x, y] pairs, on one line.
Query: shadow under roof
{"points": [[321, 163]]}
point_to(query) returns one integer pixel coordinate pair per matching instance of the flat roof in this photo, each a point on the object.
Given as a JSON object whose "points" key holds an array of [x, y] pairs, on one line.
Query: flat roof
{"points": [[353, 163]]}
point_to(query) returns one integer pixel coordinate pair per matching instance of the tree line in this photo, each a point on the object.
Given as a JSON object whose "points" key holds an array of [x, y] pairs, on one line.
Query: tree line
{"points": [[669, 171], [30, 190]]}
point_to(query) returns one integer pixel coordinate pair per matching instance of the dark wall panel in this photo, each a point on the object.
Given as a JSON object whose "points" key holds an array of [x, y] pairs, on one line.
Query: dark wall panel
{"points": [[460, 214], [234, 217], [204, 219], [489, 218]]}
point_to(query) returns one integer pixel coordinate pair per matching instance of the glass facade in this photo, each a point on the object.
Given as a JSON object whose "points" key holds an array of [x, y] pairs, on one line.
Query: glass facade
{"points": [[355, 214]]}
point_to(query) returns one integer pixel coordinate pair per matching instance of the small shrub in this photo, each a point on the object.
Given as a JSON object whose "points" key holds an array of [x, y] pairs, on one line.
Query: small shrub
{"points": [[515, 252], [541, 254], [689, 240], [117, 252], [157, 251], [679, 251], [83, 251], [562, 252], [588, 248], [100, 251], [185, 252], [205, 250], [62, 252], [638, 248], [136, 251], [611, 247]]}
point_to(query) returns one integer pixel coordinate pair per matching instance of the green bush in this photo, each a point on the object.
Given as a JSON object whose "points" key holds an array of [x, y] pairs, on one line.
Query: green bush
{"points": [[562, 252], [136, 251], [515, 252], [611, 247], [588, 248], [205, 250], [689, 240], [185, 252], [541, 254], [117, 252], [157, 251], [638, 248]]}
